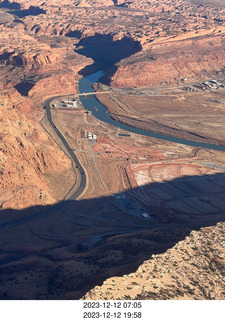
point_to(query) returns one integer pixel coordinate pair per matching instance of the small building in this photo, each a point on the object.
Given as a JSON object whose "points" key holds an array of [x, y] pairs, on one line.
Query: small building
{"points": [[75, 104], [91, 136], [146, 216], [214, 81]]}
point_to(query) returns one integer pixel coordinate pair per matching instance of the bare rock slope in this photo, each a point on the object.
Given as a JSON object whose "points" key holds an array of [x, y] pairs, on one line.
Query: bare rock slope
{"points": [[27, 153], [180, 38], [192, 269]]}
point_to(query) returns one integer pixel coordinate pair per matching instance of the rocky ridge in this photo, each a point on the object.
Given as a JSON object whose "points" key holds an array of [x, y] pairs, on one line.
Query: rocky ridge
{"points": [[182, 38], [192, 60], [27, 153], [192, 269]]}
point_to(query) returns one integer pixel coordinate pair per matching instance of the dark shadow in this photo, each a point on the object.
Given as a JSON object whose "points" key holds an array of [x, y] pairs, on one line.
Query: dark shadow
{"points": [[74, 34], [124, 5], [9, 5], [24, 87], [106, 79], [61, 251], [105, 51], [5, 56], [32, 11]]}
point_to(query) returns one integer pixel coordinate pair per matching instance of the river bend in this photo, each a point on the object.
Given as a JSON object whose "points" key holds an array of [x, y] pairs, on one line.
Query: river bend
{"points": [[101, 113]]}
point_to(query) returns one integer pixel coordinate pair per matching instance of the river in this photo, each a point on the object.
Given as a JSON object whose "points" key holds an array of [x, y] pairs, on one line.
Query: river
{"points": [[100, 112]]}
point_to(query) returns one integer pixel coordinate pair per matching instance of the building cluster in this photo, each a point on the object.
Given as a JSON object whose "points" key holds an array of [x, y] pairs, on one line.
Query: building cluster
{"points": [[91, 136], [73, 103], [206, 85], [210, 84]]}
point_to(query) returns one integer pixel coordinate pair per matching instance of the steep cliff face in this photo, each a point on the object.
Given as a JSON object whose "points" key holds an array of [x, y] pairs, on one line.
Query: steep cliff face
{"points": [[37, 68], [53, 85], [192, 269], [59, 82], [167, 63], [51, 64], [30, 60], [178, 38], [20, 49], [26, 154]]}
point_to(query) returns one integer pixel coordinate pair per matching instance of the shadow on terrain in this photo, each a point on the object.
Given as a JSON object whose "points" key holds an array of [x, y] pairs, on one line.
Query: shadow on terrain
{"points": [[104, 50], [24, 87], [74, 34], [15, 6], [9, 5], [32, 11], [61, 251], [5, 56]]}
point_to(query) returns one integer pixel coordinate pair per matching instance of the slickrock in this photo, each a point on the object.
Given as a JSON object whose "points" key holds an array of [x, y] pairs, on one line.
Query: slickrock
{"points": [[192, 269], [38, 68], [168, 63], [27, 153], [20, 49], [43, 46], [55, 84], [178, 38]]}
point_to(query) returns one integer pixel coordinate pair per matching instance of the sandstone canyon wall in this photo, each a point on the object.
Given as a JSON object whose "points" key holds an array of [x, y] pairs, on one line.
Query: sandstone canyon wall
{"points": [[176, 39], [27, 153]]}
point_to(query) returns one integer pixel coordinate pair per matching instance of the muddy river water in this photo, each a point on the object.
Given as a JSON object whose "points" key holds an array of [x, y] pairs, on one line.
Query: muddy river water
{"points": [[100, 112]]}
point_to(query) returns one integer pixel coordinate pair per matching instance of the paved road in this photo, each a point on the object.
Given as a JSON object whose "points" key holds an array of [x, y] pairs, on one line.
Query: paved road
{"points": [[79, 170], [82, 180], [93, 93]]}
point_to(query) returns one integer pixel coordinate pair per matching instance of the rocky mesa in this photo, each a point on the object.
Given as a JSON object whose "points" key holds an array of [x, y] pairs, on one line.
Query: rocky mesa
{"points": [[192, 269]]}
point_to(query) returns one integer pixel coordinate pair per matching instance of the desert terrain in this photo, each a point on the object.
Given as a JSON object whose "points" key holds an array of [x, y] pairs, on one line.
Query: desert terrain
{"points": [[84, 200]]}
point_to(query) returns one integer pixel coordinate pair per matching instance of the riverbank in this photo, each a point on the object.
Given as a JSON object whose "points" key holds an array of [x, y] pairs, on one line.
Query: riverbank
{"points": [[100, 111]]}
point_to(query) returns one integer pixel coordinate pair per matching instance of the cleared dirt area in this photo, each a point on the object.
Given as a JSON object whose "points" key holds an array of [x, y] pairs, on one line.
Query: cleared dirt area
{"points": [[65, 180], [193, 196], [116, 164], [142, 196], [197, 116]]}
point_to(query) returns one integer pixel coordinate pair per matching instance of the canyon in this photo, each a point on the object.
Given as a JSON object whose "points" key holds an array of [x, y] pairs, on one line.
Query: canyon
{"points": [[149, 222]]}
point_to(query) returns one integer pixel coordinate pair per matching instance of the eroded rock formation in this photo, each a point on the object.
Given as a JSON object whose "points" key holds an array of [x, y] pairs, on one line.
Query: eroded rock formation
{"points": [[27, 153], [192, 269], [178, 39], [173, 40]]}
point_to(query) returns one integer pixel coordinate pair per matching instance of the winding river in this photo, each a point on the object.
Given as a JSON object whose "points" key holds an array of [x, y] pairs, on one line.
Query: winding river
{"points": [[100, 112]]}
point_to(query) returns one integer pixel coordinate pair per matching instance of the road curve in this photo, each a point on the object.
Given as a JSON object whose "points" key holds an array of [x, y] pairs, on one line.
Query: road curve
{"points": [[82, 179]]}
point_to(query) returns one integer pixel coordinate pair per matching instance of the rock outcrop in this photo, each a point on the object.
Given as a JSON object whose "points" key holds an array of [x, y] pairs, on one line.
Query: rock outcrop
{"points": [[192, 269], [168, 63], [173, 40], [20, 49], [37, 68], [27, 153], [178, 39]]}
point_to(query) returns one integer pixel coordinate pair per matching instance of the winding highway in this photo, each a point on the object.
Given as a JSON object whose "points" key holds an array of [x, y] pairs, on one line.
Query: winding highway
{"points": [[86, 84], [81, 179], [78, 169]]}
